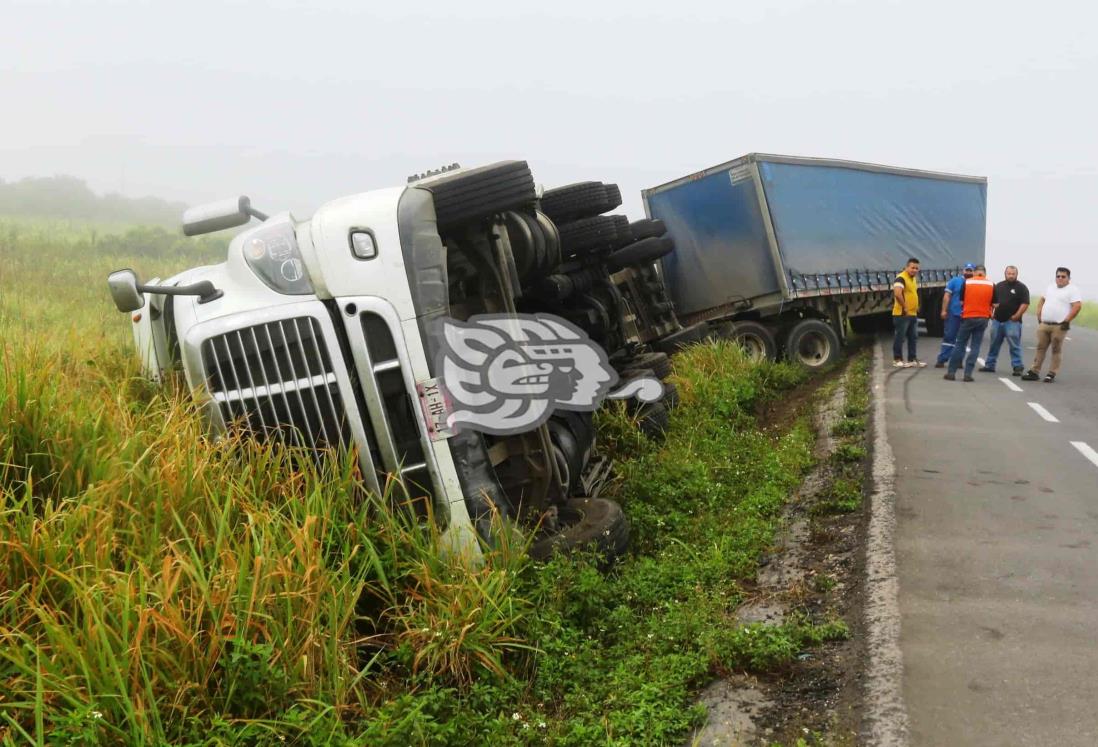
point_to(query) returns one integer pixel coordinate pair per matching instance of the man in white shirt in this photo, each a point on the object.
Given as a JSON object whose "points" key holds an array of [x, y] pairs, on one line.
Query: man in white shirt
{"points": [[1059, 305]]}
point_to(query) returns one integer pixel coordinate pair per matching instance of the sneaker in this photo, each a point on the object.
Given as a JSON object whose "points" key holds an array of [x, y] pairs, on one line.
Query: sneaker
{"points": [[898, 363], [950, 377], [1031, 375], [1018, 371], [916, 364], [1049, 378], [968, 378], [940, 364], [986, 369]]}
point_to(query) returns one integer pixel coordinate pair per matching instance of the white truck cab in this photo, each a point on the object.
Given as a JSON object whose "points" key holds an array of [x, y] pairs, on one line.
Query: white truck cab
{"points": [[316, 332]]}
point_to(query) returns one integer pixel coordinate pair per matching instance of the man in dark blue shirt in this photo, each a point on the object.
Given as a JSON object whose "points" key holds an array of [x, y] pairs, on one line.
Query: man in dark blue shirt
{"points": [[951, 313]]}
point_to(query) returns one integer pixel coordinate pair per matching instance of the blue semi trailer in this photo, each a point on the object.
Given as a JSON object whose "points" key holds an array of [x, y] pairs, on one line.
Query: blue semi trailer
{"points": [[790, 249]]}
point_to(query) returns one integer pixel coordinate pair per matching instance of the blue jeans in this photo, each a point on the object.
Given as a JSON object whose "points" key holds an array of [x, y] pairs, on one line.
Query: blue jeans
{"points": [[972, 336], [1012, 333], [949, 337], [905, 327]]}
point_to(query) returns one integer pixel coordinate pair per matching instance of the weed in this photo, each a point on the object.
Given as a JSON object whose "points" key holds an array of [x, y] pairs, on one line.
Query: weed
{"points": [[848, 427], [849, 453]]}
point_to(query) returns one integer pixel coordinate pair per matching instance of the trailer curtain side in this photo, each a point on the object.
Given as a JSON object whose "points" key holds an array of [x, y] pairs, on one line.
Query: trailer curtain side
{"points": [[766, 229]]}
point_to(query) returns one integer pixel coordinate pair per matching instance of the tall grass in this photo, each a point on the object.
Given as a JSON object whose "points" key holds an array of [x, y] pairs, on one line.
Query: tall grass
{"points": [[160, 587]]}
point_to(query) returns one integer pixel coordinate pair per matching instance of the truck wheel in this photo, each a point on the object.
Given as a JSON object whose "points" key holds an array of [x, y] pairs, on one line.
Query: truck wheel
{"points": [[580, 200], [812, 343], [676, 341], [756, 340], [641, 252], [658, 363], [670, 396], [523, 241], [552, 240], [472, 195], [599, 232], [653, 419], [587, 523], [647, 228]]}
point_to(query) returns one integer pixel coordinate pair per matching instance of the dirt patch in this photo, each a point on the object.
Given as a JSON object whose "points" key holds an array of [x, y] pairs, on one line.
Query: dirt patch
{"points": [[814, 570]]}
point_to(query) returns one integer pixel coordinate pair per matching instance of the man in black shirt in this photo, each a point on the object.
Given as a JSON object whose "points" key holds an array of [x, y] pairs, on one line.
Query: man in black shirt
{"points": [[1009, 305]]}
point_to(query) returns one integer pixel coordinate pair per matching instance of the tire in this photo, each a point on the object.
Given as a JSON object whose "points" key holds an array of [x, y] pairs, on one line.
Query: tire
{"points": [[641, 252], [552, 240], [523, 244], [653, 420], [580, 200], [676, 341], [756, 340], [722, 330], [633, 405], [588, 523], [600, 232], [670, 396], [813, 344], [472, 195], [565, 440], [647, 228], [658, 363]]}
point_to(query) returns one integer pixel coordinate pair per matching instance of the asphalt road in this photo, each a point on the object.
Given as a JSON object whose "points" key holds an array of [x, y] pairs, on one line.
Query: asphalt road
{"points": [[996, 544]]}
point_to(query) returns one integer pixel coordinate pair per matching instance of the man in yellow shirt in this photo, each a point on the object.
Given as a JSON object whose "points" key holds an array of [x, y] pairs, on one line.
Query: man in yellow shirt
{"points": [[905, 316]]}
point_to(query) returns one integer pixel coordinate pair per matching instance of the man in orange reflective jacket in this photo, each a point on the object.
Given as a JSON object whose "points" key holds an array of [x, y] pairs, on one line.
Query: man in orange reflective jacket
{"points": [[977, 295]]}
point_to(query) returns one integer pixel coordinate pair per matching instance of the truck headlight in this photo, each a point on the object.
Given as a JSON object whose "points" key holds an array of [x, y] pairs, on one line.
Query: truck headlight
{"points": [[273, 255]]}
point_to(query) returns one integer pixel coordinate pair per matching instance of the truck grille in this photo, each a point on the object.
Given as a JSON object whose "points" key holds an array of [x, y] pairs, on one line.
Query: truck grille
{"points": [[399, 434], [276, 380]]}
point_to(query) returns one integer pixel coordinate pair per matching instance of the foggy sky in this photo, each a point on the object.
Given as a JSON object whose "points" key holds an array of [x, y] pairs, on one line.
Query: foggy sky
{"points": [[295, 104]]}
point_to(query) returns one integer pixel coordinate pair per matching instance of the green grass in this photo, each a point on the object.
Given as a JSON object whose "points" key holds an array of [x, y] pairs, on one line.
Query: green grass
{"points": [[1088, 315], [157, 587], [844, 493]]}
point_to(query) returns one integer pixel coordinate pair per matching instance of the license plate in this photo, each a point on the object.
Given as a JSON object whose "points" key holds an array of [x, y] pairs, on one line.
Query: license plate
{"points": [[436, 408]]}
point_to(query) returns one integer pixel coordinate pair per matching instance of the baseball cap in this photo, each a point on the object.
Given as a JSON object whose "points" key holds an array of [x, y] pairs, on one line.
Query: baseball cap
{"points": [[969, 266]]}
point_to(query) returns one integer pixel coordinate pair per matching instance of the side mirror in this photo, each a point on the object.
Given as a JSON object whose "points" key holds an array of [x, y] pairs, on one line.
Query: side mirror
{"points": [[123, 285], [216, 216]]}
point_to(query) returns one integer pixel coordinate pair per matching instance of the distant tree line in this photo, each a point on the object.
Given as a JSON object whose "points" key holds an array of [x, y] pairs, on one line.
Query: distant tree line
{"points": [[66, 197]]}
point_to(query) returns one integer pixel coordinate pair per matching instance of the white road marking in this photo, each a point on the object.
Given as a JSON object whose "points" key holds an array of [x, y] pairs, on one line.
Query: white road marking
{"points": [[1067, 338], [1010, 385], [1086, 451], [886, 716], [1043, 412]]}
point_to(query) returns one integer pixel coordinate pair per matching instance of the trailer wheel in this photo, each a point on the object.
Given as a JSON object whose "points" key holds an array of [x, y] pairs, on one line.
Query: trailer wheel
{"points": [[756, 340], [640, 253], [580, 200], [472, 195], [722, 330], [647, 228], [812, 343], [587, 523]]}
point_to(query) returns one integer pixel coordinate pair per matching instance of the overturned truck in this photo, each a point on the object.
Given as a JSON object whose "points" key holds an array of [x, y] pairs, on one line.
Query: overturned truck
{"points": [[320, 333]]}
